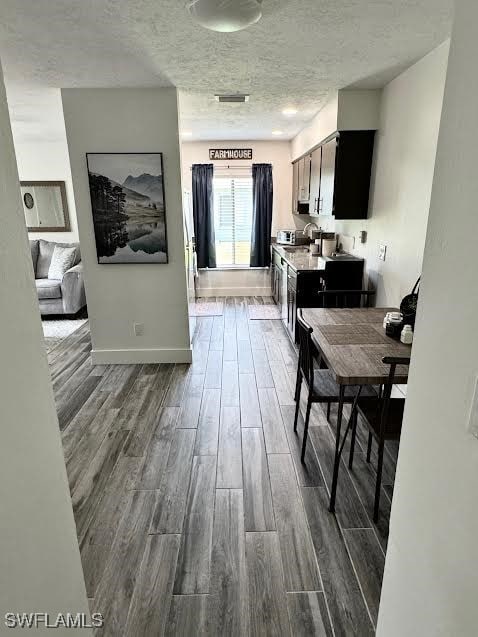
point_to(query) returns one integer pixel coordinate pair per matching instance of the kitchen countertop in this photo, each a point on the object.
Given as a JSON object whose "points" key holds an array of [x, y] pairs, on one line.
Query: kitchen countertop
{"points": [[300, 259]]}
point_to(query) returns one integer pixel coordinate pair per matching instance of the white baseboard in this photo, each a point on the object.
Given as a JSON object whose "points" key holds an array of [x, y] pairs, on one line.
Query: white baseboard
{"points": [[135, 356], [248, 291]]}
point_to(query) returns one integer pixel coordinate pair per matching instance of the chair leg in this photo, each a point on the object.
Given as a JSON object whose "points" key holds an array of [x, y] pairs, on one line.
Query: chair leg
{"points": [[306, 428], [297, 399], [298, 382], [328, 412], [378, 484], [369, 446], [352, 441]]}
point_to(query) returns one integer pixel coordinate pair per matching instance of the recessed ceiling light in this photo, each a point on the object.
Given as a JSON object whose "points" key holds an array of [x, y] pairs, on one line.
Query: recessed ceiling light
{"points": [[225, 15], [187, 133], [288, 112], [277, 132]]}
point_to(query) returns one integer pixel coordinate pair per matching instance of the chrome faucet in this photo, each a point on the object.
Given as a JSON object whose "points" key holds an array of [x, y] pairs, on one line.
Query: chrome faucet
{"points": [[307, 226]]}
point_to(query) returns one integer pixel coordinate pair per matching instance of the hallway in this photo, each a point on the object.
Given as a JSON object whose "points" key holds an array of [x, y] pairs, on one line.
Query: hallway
{"points": [[193, 512]]}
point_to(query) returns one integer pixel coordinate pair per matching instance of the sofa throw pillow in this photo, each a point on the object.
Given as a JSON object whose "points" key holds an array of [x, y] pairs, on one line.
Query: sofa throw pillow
{"points": [[45, 253], [62, 260]]}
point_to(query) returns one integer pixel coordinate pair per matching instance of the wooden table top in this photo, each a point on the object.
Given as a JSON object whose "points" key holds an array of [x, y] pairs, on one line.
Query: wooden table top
{"points": [[353, 343]]}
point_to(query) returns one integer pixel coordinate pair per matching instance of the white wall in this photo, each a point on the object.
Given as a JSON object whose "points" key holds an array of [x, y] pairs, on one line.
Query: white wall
{"points": [[323, 125], [245, 282], [358, 109], [41, 150], [40, 568], [231, 282], [43, 161], [347, 109], [402, 172], [275, 153], [131, 120], [431, 575]]}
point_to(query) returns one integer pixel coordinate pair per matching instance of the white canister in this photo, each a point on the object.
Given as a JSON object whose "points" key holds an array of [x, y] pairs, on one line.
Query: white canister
{"points": [[391, 317], [328, 247], [315, 247], [407, 335]]}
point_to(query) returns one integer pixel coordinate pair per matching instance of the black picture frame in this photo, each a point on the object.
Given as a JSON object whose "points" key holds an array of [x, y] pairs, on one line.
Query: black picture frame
{"points": [[128, 206]]}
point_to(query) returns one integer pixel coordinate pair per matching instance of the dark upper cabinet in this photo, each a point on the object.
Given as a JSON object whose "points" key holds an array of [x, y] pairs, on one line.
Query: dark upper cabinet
{"points": [[327, 178], [304, 179], [353, 168], [295, 186], [315, 170], [339, 176]]}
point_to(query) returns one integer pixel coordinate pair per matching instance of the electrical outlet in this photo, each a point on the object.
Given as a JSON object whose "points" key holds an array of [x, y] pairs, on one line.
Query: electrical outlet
{"points": [[473, 419], [138, 329], [382, 251]]}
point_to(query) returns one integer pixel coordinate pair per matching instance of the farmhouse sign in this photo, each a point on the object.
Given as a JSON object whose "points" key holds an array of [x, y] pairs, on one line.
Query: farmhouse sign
{"points": [[230, 153]]}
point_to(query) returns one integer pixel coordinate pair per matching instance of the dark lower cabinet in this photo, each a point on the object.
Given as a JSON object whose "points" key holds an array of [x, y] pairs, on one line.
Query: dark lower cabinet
{"points": [[302, 291], [276, 283], [291, 302], [276, 277], [303, 286]]}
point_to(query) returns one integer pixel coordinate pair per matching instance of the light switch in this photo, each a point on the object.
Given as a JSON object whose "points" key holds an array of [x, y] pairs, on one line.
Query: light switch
{"points": [[382, 251], [473, 419]]}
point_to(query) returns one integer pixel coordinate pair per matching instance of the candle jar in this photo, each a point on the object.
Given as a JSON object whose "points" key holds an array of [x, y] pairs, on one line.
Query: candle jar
{"points": [[394, 324]]}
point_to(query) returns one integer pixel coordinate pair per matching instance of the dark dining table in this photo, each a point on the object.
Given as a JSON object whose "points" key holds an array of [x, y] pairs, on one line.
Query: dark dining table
{"points": [[352, 343]]}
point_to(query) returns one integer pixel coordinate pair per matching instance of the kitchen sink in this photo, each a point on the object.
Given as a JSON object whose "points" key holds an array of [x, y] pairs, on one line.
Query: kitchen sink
{"points": [[295, 250], [343, 256]]}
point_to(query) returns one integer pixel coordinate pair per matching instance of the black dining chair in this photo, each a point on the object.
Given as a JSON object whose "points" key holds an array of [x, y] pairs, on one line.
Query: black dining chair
{"points": [[383, 417], [320, 382], [345, 298]]}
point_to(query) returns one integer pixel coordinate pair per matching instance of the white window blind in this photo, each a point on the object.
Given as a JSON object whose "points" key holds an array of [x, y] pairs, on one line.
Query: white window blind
{"points": [[233, 220]]}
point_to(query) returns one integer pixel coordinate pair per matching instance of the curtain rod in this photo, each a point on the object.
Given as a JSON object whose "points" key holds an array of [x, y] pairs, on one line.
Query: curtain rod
{"points": [[229, 166]]}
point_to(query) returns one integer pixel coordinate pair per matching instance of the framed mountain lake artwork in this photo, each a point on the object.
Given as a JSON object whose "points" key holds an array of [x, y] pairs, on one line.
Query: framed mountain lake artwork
{"points": [[127, 202]]}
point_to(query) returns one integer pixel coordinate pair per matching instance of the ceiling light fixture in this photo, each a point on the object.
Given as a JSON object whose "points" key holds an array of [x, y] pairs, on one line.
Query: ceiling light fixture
{"points": [[225, 16], [187, 133], [277, 132], [289, 112]]}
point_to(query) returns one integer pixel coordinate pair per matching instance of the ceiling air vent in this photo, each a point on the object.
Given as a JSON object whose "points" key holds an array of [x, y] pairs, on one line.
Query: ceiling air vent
{"points": [[232, 99]]}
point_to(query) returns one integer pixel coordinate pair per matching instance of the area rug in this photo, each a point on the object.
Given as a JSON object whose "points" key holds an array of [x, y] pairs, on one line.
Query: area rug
{"points": [[206, 308], [55, 330], [257, 312]]}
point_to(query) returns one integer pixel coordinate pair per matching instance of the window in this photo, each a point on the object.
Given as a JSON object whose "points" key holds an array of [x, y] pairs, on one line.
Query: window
{"points": [[233, 220]]}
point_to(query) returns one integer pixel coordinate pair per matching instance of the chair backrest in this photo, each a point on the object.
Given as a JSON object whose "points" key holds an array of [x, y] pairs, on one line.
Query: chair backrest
{"points": [[306, 359], [343, 274], [345, 298], [394, 362]]}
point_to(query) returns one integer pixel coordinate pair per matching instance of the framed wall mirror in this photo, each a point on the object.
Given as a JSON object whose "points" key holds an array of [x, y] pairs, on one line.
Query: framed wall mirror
{"points": [[45, 206]]}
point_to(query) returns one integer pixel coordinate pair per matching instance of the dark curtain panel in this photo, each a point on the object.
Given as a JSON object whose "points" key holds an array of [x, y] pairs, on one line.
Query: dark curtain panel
{"points": [[203, 214], [262, 192]]}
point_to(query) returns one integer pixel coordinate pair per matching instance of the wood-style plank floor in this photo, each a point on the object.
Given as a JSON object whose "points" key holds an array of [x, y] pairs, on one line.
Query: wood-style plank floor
{"points": [[193, 511]]}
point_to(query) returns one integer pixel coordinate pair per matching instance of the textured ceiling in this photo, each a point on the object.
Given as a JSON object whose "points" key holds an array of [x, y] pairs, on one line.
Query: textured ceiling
{"points": [[299, 53]]}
